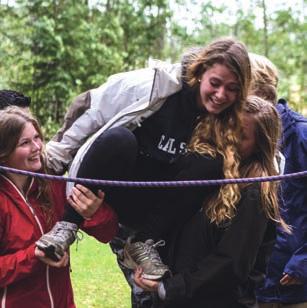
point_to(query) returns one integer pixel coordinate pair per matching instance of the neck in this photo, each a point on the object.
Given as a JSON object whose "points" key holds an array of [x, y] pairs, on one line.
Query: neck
{"points": [[21, 181]]}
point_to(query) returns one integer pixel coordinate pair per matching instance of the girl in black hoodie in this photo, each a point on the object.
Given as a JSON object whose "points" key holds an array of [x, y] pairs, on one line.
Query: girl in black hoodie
{"points": [[219, 255]]}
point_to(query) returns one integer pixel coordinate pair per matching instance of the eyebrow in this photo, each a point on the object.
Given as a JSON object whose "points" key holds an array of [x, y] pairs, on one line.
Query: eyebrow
{"points": [[23, 139], [221, 79]]}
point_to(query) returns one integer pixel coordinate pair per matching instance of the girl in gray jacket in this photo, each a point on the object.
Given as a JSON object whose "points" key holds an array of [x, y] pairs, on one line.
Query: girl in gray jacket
{"points": [[136, 127]]}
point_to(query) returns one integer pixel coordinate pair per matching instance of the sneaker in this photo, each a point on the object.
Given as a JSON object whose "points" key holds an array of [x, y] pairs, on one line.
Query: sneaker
{"points": [[147, 257], [58, 239]]}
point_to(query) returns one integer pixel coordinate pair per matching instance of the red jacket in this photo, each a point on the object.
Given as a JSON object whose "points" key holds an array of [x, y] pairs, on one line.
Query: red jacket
{"points": [[25, 281]]}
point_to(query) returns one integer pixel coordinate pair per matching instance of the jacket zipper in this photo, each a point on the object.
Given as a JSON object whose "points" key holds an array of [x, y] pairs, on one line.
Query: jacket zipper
{"points": [[42, 232], [3, 298]]}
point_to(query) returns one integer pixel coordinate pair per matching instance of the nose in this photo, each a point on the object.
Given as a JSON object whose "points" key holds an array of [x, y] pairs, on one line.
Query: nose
{"points": [[221, 93], [36, 145]]}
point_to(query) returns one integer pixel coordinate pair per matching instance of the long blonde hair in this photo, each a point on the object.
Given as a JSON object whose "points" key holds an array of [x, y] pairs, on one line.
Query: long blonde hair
{"points": [[260, 164], [12, 122], [264, 78], [221, 133]]}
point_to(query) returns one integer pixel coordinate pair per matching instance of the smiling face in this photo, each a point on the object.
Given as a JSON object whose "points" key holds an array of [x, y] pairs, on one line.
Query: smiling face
{"points": [[219, 89], [27, 154]]}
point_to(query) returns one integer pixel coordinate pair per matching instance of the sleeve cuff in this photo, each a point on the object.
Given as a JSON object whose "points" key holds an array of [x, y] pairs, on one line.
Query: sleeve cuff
{"points": [[104, 214], [161, 291]]}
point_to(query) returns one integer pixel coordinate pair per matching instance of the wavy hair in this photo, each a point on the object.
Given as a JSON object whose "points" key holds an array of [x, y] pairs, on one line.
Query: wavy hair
{"points": [[260, 164], [264, 78], [263, 161], [221, 133], [12, 122]]}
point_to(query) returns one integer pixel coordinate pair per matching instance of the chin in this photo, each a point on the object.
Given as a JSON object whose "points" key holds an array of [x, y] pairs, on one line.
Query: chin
{"points": [[211, 109], [36, 168], [214, 111]]}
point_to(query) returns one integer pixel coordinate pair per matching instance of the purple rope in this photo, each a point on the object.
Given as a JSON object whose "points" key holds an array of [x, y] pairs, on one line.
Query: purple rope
{"points": [[160, 183]]}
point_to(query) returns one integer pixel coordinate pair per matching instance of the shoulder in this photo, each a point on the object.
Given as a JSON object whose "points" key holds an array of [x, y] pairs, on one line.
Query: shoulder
{"points": [[300, 135], [302, 131], [142, 76]]}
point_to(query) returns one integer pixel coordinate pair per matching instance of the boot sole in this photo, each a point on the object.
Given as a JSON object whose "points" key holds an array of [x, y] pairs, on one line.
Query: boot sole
{"points": [[50, 251]]}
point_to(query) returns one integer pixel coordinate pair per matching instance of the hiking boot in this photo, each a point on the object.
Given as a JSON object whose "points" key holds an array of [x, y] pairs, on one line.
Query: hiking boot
{"points": [[58, 239], [147, 257]]}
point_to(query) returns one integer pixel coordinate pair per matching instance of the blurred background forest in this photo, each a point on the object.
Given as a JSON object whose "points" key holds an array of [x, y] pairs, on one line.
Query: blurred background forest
{"points": [[53, 50]]}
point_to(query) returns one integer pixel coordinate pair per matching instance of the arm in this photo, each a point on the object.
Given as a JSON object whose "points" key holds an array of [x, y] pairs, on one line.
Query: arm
{"points": [[105, 102], [295, 270], [18, 265], [79, 105], [61, 153], [100, 219], [103, 225], [301, 149]]}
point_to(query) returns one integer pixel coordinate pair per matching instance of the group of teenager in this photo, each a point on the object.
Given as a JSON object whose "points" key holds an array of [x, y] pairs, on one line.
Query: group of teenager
{"points": [[215, 115]]}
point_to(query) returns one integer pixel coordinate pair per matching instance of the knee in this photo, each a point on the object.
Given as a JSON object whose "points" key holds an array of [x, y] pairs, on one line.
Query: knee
{"points": [[118, 139]]}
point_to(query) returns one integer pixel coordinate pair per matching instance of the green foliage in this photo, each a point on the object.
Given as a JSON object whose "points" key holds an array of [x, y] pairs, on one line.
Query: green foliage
{"points": [[54, 50], [57, 49], [281, 36]]}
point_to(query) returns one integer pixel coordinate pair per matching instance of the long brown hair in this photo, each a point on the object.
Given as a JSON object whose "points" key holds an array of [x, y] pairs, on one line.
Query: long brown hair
{"points": [[12, 122], [260, 164], [221, 133], [263, 161]]}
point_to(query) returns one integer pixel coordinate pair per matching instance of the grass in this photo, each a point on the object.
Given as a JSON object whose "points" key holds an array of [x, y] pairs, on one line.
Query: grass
{"points": [[97, 280]]}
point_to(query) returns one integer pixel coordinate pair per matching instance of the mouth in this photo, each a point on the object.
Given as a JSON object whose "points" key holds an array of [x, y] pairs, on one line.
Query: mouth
{"points": [[34, 159], [216, 103]]}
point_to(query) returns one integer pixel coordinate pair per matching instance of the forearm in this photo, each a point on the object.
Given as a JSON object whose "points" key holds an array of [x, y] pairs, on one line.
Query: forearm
{"points": [[16, 266], [103, 225]]}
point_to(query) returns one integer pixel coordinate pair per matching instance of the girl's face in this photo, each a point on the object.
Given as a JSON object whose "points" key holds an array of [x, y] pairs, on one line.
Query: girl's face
{"points": [[248, 142], [219, 89], [27, 154]]}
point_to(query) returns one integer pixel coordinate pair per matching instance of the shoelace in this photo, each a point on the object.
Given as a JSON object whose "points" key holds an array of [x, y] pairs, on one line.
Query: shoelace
{"points": [[79, 237], [64, 234], [153, 253]]}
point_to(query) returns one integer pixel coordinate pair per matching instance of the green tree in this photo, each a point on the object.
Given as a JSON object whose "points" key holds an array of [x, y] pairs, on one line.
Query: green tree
{"points": [[62, 48]]}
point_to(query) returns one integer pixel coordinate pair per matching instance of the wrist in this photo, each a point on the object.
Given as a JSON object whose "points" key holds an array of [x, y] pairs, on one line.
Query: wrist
{"points": [[87, 218], [161, 291]]}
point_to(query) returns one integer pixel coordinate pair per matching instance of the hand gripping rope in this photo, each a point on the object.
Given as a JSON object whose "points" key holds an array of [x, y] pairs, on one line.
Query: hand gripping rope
{"points": [[160, 183]]}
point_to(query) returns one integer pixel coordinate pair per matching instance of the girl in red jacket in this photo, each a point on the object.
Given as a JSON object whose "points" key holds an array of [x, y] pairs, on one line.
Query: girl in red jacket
{"points": [[29, 208]]}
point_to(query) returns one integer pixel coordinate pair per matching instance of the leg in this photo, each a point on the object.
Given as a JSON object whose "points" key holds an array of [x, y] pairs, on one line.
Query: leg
{"points": [[111, 156], [174, 208], [183, 202], [139, 298]]}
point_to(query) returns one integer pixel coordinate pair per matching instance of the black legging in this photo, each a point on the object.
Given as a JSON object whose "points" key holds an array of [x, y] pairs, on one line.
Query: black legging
{"points": [[114, 155]]}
